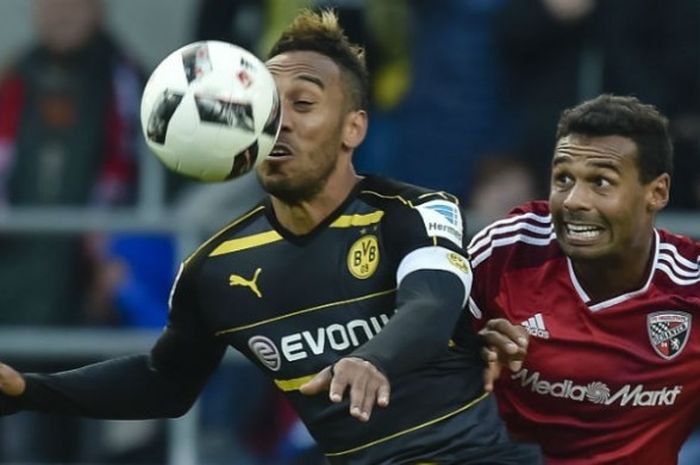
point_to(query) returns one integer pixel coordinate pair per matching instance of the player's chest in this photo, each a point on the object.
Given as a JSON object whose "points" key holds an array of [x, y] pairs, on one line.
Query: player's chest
{"points": [[344, 269], [643, 352]]}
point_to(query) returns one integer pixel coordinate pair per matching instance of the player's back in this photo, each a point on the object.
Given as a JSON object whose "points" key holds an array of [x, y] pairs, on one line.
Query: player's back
{"points": [[611, 382]]}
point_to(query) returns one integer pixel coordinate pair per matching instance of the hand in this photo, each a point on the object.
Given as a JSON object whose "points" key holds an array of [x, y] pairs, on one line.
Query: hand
{"points": [[367, 385], [504, 344], [11, 382]]}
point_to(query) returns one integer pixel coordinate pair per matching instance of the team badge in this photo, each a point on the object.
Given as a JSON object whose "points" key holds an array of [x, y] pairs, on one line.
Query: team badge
{"points": [[668, 332], [458, 262], [363, 257]]}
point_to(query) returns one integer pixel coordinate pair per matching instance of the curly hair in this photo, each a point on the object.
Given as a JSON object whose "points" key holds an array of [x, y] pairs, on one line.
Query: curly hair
{"points": [[608, 115], [320, 32]]}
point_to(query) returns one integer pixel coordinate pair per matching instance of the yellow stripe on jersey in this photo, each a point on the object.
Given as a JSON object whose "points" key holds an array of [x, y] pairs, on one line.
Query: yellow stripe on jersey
{"points": [[223, 230], [305, 310], [348, 221], [243, 243], [293, 384], [409, 430]]}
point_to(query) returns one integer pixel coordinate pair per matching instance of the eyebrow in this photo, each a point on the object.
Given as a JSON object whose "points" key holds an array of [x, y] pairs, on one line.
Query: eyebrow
{"points": [[559, 159], [603, 164], [312, 79], [606, 165]]}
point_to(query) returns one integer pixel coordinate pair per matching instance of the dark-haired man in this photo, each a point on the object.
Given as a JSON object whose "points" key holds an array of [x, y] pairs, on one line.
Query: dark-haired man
{"points": [[611, 303], [335, 281]]}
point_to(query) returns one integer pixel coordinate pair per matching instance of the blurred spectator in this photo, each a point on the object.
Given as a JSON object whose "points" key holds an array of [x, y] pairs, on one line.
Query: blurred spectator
{"points": [[561, 52], [501, 182], [236, 21], [550, 52], [652, 51], [451, 114], [68, 135], [68, 128], [132, 281]]}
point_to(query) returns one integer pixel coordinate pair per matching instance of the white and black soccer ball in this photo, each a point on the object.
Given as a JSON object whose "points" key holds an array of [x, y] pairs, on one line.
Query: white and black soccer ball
{"points": [[210, 111]]}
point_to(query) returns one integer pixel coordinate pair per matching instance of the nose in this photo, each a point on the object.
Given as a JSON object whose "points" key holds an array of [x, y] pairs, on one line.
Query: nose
{"points": [[286, 125], [577, 198]]}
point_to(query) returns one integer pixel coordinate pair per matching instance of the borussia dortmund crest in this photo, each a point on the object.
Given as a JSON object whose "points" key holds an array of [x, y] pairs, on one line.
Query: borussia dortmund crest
{"points": [[363, 257], [668, 332]]}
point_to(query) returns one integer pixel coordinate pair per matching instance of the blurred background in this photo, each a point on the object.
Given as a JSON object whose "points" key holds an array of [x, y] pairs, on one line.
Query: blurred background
{"points": [[465, 98]]}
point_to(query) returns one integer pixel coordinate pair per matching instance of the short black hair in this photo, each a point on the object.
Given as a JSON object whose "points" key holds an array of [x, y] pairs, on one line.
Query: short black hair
{"points": [[320, 32], [608, 115]]}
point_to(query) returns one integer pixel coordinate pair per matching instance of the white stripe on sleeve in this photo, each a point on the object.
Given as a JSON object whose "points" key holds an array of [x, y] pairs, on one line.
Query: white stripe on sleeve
{"points": [[437, 258]]}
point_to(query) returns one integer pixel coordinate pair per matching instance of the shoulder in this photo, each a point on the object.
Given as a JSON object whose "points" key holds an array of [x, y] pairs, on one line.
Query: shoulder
{"points": [[527, 231], [681, 246], [225, 237], [535, 208], [407, 207], [679, 258], [397, 198], [392, 194]]}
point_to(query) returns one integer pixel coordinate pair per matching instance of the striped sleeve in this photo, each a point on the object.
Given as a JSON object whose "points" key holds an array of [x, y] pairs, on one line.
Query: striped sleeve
{"points": [[491, 250]]}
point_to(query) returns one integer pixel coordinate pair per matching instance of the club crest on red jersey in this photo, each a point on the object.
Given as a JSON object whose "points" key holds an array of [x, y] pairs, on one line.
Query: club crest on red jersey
{"points": [[668, 332]]}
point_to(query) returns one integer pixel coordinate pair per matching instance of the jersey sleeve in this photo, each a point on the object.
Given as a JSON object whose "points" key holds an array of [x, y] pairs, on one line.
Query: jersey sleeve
{"points": [[482, 289], [433, 281], [186, 344], [428, 235], [433, 222], [492, 251]]}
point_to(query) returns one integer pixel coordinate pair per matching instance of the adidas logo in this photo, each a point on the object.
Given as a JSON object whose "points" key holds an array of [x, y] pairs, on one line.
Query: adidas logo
{"points": [[535, 326]]}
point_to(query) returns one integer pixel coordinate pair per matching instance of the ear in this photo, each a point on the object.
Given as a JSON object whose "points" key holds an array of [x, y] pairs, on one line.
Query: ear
{"points": [[658, 192], [354, 129]]}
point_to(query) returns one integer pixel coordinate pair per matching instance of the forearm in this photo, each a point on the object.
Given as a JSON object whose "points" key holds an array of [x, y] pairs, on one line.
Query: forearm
{"points": [[429, 303], [162, 384], [124, 388]]}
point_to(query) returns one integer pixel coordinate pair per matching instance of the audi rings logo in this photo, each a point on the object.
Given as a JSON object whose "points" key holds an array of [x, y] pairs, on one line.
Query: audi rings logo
{"points": [[266, 351]]}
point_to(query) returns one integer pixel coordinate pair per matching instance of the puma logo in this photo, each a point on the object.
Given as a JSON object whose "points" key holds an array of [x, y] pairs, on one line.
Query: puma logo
{"points": [[237, 280]]}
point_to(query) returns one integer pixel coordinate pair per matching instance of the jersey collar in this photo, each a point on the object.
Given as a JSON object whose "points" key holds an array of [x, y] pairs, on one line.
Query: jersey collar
{"points": [[620, 298]]}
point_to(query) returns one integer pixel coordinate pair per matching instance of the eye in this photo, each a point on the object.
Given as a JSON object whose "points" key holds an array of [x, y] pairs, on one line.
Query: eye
{"points": [[600, 181], [303, 105], [562, 179]]}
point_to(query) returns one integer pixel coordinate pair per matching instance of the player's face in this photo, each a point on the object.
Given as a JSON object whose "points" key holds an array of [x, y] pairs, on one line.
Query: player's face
{"points": [[310, 139], [600, 208]]}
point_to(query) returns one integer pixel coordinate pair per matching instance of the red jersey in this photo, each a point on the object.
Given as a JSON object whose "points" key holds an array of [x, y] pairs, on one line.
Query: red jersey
{"points": [[612, 382]]}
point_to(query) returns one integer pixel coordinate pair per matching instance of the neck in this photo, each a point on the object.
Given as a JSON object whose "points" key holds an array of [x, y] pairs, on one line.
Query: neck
{"points": [[613, 276], [303, 216]]}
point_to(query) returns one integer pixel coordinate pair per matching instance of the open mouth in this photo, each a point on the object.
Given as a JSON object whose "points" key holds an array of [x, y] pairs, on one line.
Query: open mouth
{"points": [[281, 151], [583, 232]]}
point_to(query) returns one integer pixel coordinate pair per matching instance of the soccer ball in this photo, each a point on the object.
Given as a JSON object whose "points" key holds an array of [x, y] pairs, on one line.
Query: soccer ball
{"points": [[210, 111]]}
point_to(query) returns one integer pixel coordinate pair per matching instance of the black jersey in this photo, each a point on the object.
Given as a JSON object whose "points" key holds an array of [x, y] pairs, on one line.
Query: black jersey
{"points": [[383, 278], [296, 304]]}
